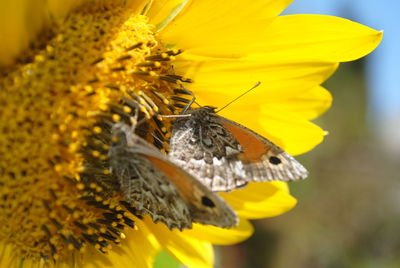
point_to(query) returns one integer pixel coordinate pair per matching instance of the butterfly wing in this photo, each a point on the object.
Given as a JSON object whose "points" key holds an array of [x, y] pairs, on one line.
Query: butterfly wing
{"points": [[161, 189], [204, 149], [263, 160], [205, 206], [225, 155], [149, 191]]}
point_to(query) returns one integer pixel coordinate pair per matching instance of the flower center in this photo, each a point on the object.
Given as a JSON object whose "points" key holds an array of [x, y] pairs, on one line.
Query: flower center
{"points": [[56, 192]]}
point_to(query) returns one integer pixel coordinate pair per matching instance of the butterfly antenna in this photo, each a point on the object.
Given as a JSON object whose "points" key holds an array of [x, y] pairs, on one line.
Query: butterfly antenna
{"points": [[238, 97]]}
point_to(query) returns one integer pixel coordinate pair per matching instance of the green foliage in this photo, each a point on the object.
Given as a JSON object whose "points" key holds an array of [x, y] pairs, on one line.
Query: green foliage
{"points": [[163, 260]]}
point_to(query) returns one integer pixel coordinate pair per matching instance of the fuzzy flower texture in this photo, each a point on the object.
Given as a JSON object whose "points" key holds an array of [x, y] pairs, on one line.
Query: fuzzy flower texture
{"points": [[67, 67]]}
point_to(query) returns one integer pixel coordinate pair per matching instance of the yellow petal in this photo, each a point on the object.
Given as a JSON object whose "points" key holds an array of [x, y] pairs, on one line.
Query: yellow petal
{"points": [[260, 200], [220, 236], [211, 23], [281, 185], [20, 21], [292, 132], [309, 104], [6, 257], [186, 249], [288, 130], [163, 12], [317, 38], [220, 80]]}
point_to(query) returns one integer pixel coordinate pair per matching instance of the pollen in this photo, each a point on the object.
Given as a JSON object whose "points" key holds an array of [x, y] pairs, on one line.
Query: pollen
{"points": [[57, 107]]}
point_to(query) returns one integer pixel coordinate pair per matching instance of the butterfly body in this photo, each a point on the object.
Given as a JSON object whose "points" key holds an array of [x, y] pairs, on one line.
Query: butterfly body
{"points": [[225, 155], [157, 187]]}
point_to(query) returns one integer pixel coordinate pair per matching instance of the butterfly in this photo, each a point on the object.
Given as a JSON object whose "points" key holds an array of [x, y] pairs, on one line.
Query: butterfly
{"points": [[154, 185], [225, 155]]}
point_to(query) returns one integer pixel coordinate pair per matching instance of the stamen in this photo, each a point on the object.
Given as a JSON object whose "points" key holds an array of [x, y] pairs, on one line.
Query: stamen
{"points": [[168, 79], [123, 58], [97, 61], [118, 69], [154, 64], [159, 57], [179, 99], [150, 102], [111, 86], [92, 81], [138, 45]]}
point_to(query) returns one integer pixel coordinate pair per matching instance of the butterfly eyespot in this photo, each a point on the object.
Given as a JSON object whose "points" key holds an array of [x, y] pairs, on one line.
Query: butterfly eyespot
{"points": [[207, 202], [274, 160]]}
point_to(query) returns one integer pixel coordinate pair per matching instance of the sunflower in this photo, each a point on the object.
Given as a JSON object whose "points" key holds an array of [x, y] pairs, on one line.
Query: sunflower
{"points": [[89, 61]]}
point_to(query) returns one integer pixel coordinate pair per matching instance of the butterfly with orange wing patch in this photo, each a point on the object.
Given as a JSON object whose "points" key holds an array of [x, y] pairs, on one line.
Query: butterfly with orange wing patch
{"points": [[154, 185], [225, 155]]}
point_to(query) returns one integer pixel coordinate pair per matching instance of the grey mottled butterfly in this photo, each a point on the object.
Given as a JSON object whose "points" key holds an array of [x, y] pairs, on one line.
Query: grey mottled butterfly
{"points": [[157, 187], [225, 155]]}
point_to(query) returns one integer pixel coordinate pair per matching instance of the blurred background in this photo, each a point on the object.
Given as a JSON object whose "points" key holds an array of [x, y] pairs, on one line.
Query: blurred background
{"points": [[348, 213]]}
